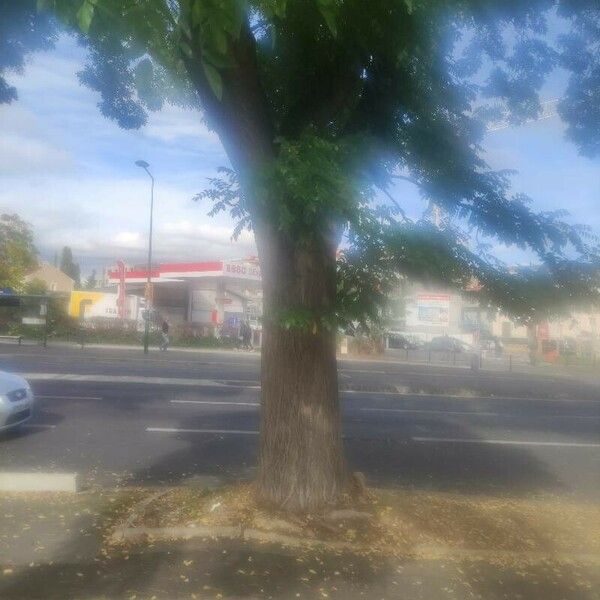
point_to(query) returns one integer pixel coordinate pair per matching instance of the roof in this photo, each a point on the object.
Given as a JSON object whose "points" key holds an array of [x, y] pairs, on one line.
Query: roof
{"points": [[234, 269]]}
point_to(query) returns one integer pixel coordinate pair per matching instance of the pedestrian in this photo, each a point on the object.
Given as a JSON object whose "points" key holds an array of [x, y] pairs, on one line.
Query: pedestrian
{"points": [[533, 351], [246, 336], [164, 343]]}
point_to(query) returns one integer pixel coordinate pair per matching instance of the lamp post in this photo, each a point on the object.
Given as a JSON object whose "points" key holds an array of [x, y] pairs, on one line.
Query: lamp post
{"points": [[144, 165]]}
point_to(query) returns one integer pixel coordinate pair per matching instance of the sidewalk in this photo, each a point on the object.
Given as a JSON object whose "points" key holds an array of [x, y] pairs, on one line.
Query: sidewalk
{"points": [[138, 348], [491, 365], [51, 547]]}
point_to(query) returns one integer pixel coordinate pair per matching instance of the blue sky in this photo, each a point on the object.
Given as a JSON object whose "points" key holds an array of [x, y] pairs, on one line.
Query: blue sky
{"points": [[69, 171]]}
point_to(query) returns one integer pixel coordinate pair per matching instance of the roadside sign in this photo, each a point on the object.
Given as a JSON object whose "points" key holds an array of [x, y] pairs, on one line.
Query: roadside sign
{"points": [[33, 321]]}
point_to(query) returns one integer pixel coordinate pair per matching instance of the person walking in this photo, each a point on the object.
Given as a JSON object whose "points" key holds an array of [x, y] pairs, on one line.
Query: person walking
{"points": [[164, 343], [246, 336]]}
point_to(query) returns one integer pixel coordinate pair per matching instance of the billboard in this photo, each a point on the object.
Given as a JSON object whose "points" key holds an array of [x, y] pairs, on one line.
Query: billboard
{"points": [[429, 309], [86, 304]]}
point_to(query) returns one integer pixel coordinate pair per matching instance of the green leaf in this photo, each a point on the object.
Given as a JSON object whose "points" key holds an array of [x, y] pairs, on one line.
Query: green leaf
{"points": [[327, 8], [279, 7], [198, 12], [214, 79], [219, 61], [237, 21], [85, 15], [220, 40], [186, 48], [409, 6]]}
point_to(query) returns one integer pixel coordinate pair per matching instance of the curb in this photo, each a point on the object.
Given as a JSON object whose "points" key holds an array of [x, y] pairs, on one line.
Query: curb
{"points": [[39, 482], [136, 535]]}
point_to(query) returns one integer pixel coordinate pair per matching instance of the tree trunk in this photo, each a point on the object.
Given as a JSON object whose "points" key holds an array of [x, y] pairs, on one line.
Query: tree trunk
{"points": [[302, 464], [301, 456]]}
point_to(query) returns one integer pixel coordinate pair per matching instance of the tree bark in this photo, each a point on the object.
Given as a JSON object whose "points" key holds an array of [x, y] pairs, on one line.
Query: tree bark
{"points": [[302, 464]]}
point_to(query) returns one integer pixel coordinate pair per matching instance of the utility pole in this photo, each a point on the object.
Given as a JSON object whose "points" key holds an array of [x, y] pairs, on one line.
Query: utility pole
{"points": [[144, 165]]}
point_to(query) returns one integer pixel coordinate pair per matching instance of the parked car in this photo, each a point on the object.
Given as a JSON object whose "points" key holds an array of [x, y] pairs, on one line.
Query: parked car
{"points": [[445, 343], [403, 342], [16, 401]]}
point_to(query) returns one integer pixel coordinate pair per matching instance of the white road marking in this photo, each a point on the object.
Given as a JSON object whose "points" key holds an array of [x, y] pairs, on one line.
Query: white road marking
{"points": [[215, 402], [137, 379], [405, 410], [476, 413], [429, 411], [120, 360], [255, 385], [218, 431], [504, 442], [38, 426], [367, 371], [463, 397], [46, 397]]}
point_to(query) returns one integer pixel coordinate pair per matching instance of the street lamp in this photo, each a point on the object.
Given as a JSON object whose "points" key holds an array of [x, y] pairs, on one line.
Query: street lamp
{"points": [[144, 165]]}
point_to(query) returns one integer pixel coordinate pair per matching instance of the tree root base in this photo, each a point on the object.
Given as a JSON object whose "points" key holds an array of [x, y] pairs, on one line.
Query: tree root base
{"points": [[400, 523]]}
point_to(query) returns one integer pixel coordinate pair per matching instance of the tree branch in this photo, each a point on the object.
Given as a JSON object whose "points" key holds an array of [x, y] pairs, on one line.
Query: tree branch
{"points": [[242, 116], [329, 95], [409, 179], [395, 203]]}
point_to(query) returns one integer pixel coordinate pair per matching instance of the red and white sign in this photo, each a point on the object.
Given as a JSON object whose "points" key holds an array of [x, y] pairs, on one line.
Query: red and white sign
{"points": [[238, 269]]}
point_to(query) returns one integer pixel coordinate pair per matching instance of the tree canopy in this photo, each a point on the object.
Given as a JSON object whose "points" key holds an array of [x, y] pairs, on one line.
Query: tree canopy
{"points": [[35, 287], [325, 103], [68, 266], [18, 254], [91, 281]]}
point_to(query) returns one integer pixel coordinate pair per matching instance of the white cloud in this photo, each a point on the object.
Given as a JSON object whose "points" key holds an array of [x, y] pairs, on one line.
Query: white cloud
{"points": [[25, 147], [173, 123], [104, 220], [21, 155], [128, 239]]}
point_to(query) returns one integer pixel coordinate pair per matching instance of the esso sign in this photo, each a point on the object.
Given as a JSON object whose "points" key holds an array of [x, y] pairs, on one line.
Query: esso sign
{"points": [[241, 270]]}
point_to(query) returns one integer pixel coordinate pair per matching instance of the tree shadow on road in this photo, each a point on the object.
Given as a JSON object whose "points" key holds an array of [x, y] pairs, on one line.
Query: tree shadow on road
{"points": [[386, 461]]}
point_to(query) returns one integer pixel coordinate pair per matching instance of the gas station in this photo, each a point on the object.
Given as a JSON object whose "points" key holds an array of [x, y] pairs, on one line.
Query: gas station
{"points": [[199, 296]]}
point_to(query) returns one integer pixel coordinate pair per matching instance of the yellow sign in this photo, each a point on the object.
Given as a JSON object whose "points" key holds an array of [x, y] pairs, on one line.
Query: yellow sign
{"points": [[80, 299]]}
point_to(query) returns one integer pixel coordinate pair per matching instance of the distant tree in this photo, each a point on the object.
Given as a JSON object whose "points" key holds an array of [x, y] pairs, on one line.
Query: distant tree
{"points": [[68, 266], [18, 254], [35, 287], [321, 106], [91, 282]]}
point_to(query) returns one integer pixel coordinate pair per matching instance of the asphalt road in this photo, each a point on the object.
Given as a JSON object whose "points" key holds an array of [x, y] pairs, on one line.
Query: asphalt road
{"points": [[117, 417]]}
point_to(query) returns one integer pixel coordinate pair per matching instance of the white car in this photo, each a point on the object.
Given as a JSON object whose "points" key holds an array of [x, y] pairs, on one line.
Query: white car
{"points": [[16, 401]]}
